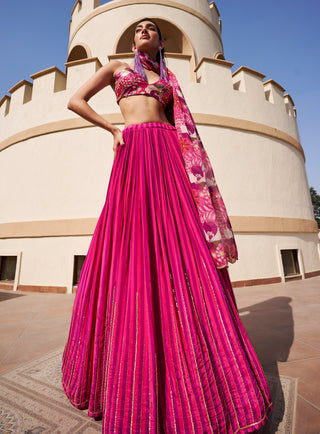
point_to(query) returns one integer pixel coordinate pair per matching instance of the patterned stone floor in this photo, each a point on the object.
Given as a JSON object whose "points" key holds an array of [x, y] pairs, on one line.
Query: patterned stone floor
{"points": [[281, 320], [33, 401]]}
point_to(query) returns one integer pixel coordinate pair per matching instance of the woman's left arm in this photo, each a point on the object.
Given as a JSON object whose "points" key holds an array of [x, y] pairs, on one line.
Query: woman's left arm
{"points": [[169, 112], [79, 101]]}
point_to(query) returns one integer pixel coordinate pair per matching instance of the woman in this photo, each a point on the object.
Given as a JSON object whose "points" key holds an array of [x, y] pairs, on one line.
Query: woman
{"points": [[155, 343]]}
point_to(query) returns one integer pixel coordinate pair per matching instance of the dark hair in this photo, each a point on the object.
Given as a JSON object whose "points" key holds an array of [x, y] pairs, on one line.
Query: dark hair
{"points": [[159, 33]]}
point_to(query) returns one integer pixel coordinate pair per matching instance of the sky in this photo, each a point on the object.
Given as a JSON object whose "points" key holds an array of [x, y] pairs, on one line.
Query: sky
{"points": [[279, 38]]}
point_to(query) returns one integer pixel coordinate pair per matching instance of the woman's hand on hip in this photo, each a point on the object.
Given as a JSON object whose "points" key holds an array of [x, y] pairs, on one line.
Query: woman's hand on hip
{"points": [[118, 140]]}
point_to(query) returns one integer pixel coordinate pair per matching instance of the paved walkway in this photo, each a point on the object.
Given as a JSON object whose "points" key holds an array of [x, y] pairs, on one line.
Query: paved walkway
{"points": [[282, 321]]}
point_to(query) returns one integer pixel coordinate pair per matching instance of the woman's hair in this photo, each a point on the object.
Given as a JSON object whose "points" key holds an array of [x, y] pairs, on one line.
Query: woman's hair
{"points": [[159, 33]]}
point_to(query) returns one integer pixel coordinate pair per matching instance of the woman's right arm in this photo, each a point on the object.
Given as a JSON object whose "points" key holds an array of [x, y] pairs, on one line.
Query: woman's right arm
{"points": [[78, 103]]}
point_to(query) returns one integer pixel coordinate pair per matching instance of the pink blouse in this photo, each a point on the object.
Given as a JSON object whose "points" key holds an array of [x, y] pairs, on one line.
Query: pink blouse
{"points": [[128, 82]]}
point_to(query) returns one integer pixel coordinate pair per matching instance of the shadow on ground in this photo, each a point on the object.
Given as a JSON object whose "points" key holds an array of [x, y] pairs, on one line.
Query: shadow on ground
{"points": [[7, 296], [264, 323]]}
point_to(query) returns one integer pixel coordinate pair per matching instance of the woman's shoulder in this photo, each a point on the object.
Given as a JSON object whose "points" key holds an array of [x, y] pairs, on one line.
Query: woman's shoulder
{"points": [[110, 70], [116, 66]]}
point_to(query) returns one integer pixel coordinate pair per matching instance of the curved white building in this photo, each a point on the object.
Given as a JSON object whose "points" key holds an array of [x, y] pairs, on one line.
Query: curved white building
{"points": [[54, 166]]}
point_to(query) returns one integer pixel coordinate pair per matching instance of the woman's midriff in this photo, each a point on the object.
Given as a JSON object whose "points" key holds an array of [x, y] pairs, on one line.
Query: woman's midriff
{"points": [[137, 109]]}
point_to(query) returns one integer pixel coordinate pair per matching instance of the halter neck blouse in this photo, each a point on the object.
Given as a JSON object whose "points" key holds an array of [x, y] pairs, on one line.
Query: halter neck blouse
{"points": [[128, 83]]}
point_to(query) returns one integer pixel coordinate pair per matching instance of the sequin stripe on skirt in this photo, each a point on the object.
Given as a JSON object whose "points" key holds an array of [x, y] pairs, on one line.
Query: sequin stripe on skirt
{"points": [[156, 344]]}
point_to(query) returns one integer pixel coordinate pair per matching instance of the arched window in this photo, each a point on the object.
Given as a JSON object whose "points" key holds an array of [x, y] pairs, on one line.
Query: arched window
{"points": [[219, 56], [79, 52], [175, 39]]}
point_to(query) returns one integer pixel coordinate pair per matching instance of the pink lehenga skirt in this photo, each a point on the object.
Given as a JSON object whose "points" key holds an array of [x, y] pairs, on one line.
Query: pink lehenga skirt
{"points": [[155, 343]]}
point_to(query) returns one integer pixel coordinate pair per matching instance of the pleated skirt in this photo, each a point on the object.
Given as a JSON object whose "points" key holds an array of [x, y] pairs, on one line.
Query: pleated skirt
{"points": [[156, 344]]}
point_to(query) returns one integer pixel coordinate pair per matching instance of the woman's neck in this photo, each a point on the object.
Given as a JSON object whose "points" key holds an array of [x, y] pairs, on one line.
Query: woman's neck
{"points": [[152, 54]]}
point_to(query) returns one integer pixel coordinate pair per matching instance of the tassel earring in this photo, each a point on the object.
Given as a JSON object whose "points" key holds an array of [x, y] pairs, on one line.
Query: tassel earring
{"points": [[138, 66], [163, 69]]}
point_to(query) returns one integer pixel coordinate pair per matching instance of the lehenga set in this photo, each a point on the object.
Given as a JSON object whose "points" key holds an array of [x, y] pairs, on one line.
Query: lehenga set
{"points": [[156, 344]]}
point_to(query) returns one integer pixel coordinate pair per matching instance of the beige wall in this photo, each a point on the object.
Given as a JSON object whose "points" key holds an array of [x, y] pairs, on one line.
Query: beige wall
{"points": [[258, 175], [205, 97], [65, 174], [259, 255], [46, 261], [215, 94], [60, 175]]}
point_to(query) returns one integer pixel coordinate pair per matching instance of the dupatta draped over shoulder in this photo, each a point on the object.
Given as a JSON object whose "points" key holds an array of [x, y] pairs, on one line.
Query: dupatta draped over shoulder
{"points": [[211, 208]]}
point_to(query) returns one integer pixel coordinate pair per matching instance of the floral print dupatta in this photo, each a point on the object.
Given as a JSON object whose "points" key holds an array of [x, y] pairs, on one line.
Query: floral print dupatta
{"points": [[211, 208]]}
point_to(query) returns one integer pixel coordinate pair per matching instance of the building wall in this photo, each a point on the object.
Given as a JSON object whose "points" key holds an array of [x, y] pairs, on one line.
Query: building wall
{"points": [[260, 256], [45, 262], [74, 160], [55, 167]]}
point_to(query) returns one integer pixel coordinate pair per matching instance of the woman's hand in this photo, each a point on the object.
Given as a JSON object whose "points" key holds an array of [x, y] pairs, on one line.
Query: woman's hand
{"points": [[117, 141]]}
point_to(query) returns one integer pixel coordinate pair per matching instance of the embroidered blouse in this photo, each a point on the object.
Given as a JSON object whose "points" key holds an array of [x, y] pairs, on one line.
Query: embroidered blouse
{"points": [[128, 82]]}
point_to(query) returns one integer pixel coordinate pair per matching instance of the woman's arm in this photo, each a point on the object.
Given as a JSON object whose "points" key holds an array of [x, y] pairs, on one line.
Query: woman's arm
{"points": [[78, 103], [170, 113]]}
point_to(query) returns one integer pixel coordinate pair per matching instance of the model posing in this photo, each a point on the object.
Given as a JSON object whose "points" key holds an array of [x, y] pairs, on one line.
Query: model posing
{"points": [[155, 343]]}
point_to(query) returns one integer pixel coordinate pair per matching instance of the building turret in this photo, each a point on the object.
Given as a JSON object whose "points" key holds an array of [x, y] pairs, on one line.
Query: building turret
{"points": [[191, 28]]}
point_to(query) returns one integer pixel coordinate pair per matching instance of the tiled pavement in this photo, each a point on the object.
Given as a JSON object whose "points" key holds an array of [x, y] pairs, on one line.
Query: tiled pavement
{"points": [[282, 321]]}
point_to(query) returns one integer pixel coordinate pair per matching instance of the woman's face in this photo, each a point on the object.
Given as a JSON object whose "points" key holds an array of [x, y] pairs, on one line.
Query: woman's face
{"points": [[146, 37]]}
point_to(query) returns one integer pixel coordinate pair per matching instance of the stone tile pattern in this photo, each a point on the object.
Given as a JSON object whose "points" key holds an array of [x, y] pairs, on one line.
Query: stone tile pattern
{"points": [[282, 321], [33, 401]]}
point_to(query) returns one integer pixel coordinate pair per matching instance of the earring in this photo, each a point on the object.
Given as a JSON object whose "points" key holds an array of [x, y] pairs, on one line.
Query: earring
{"points": [[138, 66], [163, 69]]}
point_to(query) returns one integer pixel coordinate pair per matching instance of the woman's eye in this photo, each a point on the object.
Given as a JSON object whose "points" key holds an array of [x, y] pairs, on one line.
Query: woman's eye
{"points": [[153, 29]]}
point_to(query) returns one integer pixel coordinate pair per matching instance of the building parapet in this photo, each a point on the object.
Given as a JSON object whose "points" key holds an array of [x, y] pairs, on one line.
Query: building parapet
{"points": [[250, 71], [21, 93], [274, 92], [247, 81], [79, 71], [83, 8], [242, 94], [289, 104], [48, 81], [4, 105], [274, 84], [213, 60], [212, 5], [80, 10]]}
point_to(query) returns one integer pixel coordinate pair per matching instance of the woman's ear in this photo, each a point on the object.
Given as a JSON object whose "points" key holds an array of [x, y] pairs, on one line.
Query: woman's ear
{"points": [[162, 44], [133, 47]]}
